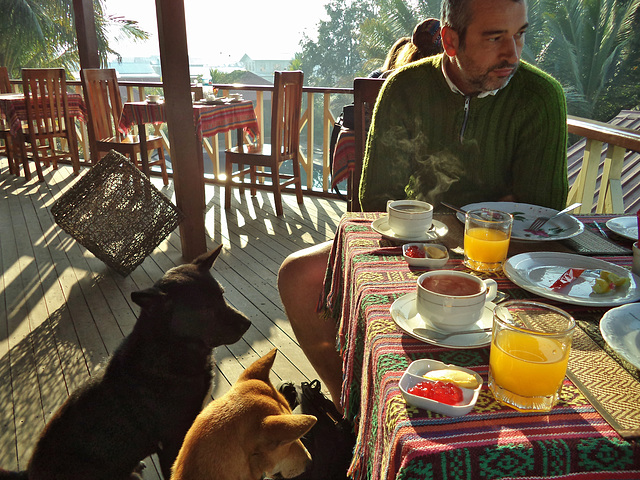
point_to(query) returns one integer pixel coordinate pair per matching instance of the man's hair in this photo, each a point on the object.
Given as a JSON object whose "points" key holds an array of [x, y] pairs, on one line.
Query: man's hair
{"points": [[456, 14]]}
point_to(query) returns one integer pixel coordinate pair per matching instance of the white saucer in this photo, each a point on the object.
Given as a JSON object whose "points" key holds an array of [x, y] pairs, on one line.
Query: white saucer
{"points": [[381, 226], [406, 316]]}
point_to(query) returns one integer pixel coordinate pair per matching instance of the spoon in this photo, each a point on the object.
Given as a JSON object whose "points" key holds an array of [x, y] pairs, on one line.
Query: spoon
{"points": [[459, 210], [436, 335]]}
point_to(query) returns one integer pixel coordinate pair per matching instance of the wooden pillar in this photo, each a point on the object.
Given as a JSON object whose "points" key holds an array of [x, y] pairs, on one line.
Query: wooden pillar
{"points": [[84, 17], [188, 171]]}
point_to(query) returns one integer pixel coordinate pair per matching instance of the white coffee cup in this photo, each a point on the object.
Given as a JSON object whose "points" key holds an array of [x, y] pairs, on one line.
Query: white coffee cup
{"points": [[153, 98], [409, 218], [453, 300]]}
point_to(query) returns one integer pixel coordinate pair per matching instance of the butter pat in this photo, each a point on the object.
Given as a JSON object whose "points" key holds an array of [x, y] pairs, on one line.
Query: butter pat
{"points": [[458, 377]]}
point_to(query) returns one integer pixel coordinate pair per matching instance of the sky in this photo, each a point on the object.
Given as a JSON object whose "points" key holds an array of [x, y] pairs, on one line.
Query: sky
{"points": [[221, 34]]}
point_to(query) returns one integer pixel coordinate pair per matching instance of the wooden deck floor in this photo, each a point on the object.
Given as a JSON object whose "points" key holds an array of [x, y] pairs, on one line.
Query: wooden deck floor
{"points": [[62, 311]]}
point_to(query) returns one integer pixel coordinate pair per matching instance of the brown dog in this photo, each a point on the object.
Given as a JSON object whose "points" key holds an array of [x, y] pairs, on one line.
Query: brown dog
{"points": [[247, 433], [153, 387]]}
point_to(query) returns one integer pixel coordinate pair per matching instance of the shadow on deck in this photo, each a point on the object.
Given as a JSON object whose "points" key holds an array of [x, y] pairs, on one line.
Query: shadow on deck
{"points": [[63, 311]]}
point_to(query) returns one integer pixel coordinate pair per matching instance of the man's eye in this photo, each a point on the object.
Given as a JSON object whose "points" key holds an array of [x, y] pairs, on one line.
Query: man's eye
{"points": [[519, 35]]}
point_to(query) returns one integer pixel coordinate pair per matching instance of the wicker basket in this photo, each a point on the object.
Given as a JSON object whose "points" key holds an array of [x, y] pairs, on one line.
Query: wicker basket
{"points": [[115, 212]]}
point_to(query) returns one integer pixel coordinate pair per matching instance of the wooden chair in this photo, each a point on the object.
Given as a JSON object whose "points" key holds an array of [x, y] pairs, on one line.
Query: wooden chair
{"points": [[285, 140], [45, 93], [365, 93], [5, 131], [104, 106]]}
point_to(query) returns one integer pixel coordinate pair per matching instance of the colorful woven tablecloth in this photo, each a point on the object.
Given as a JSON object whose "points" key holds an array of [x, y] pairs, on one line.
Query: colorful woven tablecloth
{"points": [[209, 119], [343, 156], [14, 109], [366, 274]]}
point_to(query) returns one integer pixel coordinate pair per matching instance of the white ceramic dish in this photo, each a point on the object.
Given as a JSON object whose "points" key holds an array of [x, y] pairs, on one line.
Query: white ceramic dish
{"points": [[620, 328], [427, 262], [413, 375], [626, 227], [381, 226], [405, 314], [537, 271], [561, 228]]}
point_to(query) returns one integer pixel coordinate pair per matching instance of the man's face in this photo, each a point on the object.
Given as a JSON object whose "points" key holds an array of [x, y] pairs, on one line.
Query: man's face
{"points": [[492, 47]]}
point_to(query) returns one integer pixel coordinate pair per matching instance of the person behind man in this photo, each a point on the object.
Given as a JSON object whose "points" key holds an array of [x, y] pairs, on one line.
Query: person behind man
{"points": [[473, 124]]}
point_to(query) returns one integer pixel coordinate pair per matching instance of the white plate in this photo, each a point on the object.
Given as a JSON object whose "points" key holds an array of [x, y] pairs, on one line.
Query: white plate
{"points": [[381, 226], [405, 313], [537, 271], [620, 328], [626, 227], [561, 228]]}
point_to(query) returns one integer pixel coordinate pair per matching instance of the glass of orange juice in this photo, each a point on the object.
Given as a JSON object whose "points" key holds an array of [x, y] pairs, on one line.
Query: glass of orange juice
{"points": [[486, 239], [530, 349]]}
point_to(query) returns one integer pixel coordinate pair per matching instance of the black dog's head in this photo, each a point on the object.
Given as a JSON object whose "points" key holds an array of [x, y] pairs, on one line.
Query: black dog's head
{"points": [[191, 301]]}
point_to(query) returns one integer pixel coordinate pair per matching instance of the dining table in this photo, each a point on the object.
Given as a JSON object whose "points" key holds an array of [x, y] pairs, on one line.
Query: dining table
{"points": [[13, 109], [210, 119], [591, 433]]}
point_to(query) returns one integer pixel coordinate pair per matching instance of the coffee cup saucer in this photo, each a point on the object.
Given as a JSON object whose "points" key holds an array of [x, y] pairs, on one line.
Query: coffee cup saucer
{"points": [[381, 226], [405, 314]]}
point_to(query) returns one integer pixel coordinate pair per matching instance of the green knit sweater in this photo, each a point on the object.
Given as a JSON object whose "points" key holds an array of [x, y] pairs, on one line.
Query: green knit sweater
{"points": [[512, 143]]}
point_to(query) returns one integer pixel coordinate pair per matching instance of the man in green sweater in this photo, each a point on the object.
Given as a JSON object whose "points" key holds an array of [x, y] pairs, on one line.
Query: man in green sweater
{"points": [[499, 135], [473, 124]]}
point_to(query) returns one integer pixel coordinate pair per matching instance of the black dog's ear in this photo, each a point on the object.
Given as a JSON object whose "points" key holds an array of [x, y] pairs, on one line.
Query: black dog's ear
{"points": [[148, 297], [205, 261]]}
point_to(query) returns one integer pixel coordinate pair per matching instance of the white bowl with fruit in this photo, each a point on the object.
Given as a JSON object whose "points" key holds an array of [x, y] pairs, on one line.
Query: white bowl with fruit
{"points": [[441, 388], [427, 255]]}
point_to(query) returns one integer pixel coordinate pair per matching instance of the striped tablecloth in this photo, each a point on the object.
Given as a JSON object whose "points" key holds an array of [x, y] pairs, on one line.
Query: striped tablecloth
{"points": [[343, 156], [210, 119], [366, 274], [14, 109]]}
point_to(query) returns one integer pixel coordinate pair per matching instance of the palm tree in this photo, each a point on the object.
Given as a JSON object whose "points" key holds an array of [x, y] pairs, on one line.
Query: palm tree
{"points": [[41, 33], [591, 48]]}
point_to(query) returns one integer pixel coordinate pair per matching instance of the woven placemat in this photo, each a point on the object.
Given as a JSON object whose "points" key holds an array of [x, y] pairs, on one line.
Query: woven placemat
{"points": [[592, 243], [115, 212], [611, 387]]}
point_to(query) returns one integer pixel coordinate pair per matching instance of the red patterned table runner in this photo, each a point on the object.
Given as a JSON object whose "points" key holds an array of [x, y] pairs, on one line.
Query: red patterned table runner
{"points": [[210, 119], [399, 441], [14, 109]]}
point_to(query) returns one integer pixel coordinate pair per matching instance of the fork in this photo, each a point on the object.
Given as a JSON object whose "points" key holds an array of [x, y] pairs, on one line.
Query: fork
{"points": [[540, 221]]}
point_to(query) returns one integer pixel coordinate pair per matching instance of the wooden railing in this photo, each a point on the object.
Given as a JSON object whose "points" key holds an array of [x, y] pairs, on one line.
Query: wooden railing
{"points": [[617, 141]]}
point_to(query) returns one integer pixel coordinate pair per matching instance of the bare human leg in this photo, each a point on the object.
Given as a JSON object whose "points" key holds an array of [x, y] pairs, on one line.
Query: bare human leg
{"points": [[300, 281]]}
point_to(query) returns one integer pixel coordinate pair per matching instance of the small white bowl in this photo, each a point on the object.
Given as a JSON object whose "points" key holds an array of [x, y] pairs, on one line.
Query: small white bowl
{"points": [[153, 98], [426, 262], [413, 375]]}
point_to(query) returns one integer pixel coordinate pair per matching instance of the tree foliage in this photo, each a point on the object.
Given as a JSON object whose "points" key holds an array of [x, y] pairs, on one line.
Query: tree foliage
{"points": [[41, 33]]}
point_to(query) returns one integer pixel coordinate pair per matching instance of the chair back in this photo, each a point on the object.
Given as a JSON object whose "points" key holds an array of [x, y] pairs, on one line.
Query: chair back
{"points": [[5, 83], [45, 93], [104, 104], [285, 114], [365, 93]]}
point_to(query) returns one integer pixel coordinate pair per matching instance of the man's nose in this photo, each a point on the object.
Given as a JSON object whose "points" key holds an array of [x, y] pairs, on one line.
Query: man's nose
{"points": [[511, 49]]}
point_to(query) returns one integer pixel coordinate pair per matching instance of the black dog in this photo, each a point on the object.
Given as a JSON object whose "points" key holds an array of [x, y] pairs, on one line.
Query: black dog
{"points": [[151, 390]]}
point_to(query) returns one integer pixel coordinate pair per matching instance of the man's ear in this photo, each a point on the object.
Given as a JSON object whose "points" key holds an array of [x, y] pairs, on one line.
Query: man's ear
{"points": [[450, 41]]}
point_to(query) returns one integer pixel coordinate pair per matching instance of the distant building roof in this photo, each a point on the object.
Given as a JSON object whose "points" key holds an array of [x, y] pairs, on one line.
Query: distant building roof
{"points": [[630, 171]]}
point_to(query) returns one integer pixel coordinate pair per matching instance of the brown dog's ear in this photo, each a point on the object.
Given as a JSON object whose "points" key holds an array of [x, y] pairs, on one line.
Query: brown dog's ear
{"points": [[261, 368], [286, 428], [149, 297], [205, 261]]}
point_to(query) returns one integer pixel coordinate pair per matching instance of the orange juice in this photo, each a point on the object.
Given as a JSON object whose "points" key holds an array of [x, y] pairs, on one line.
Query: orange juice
{"points": [[528, 365], [486, 245]]}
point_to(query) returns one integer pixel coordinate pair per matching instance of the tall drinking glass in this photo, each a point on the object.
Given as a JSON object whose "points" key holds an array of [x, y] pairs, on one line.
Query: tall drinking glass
{"points": [[529, 354], [486, 239]]}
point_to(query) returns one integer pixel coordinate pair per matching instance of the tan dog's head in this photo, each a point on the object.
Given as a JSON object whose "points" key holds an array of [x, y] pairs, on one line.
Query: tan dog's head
{"points": [[277, 450]]}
